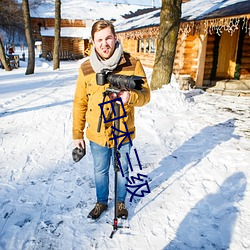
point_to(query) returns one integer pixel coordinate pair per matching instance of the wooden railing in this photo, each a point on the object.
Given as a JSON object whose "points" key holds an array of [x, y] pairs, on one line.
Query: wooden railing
{"points": [[63, 55]]}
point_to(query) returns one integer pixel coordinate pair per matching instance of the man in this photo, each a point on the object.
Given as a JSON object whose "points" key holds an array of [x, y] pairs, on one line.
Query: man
{"points": [[107, 54]]}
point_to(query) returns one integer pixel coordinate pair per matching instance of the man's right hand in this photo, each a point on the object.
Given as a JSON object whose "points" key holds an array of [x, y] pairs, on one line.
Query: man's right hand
{"points": [[79, 151], [79, 143]]}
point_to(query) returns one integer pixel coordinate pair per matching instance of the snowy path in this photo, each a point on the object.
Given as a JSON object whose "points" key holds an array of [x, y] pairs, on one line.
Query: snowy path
{"points": [[195, 150]]}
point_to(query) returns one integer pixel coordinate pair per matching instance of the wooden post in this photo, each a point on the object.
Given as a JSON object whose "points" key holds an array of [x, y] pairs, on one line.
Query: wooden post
{"points": [[201, 60]]}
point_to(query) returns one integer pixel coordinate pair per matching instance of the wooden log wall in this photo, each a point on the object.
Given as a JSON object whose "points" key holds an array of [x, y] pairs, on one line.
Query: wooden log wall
{"points": [[209, 57], [131, 46], [47, 45], [50, 22], [66, 44], [79, 46], [178, 61], [190, 56], [186, 55], [185, 59], [73, 45], [245, 60], [146, 59]]}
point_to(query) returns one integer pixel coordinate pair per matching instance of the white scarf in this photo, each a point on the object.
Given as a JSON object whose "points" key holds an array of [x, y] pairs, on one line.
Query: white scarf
{"points": [[98, 64]]}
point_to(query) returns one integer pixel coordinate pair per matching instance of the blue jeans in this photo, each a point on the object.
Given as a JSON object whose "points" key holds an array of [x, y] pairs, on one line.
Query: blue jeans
{"points": [[102, 156]]}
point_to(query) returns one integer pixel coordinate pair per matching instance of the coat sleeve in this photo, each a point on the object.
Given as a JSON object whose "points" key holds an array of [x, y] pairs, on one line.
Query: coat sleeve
{"points": [[139, 98], [80, 105]]}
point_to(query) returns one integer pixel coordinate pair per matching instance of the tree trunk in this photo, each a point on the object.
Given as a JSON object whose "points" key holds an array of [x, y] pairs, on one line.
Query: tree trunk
{"points": [[56, 59], [168, 34], [28, 33], [3, 57]]}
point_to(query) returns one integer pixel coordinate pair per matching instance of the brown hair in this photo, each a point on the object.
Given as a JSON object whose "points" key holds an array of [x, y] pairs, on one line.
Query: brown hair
{"points": [[101, 24]]}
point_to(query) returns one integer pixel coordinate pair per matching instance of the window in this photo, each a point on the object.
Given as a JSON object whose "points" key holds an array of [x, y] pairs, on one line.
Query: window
{"points": [[146, 45]]}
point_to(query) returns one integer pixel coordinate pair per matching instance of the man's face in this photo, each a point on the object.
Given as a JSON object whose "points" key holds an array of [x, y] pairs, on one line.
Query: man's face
{"points": [[104, 42]]}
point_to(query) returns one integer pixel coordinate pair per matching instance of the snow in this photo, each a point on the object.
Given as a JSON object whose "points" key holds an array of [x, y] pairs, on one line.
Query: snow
{"points": [[193, 146], [155, 3], [145, 20], [84, 33], [192, 10], [86, 10], [197, 9]]}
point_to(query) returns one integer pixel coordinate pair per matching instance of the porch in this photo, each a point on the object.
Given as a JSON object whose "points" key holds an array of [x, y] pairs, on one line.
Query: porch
{"points": [[231, 87]]}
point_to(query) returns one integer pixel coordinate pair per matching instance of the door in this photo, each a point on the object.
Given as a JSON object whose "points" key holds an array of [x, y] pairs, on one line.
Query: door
{"points": [[227, 55]]}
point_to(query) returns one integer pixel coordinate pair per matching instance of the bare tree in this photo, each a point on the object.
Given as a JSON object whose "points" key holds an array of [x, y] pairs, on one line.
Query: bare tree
{"points": [[36, 3], [56, 59], [28, 33], [168, 34], [11, 17], [11, 24], [3, 57]]}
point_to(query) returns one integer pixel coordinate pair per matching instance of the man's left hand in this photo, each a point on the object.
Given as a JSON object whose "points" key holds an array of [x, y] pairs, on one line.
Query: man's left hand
{"points": [[125, 95]]}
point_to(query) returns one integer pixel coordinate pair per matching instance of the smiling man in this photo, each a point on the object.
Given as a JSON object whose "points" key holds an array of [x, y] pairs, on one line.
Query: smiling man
{"points": [[104, 41], [107, 54]]}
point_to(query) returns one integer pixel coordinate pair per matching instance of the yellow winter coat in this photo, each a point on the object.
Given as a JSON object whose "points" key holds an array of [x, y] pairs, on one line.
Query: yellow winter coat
{"points": [[88, 96]]}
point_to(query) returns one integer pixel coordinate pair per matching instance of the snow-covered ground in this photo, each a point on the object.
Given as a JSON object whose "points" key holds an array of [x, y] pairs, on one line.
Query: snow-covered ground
{"points": [[194, 147]]}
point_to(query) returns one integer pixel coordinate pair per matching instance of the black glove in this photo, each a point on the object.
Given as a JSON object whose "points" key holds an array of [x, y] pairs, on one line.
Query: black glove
{"points": [[78, 153]]}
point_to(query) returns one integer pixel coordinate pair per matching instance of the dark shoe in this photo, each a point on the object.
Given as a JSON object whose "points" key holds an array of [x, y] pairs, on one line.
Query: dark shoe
{"points": [[122, 211], [97, 210]]}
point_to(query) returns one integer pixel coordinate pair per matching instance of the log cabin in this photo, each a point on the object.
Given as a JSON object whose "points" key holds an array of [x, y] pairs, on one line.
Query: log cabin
{"points": [[213, 41], [74, 37]]}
